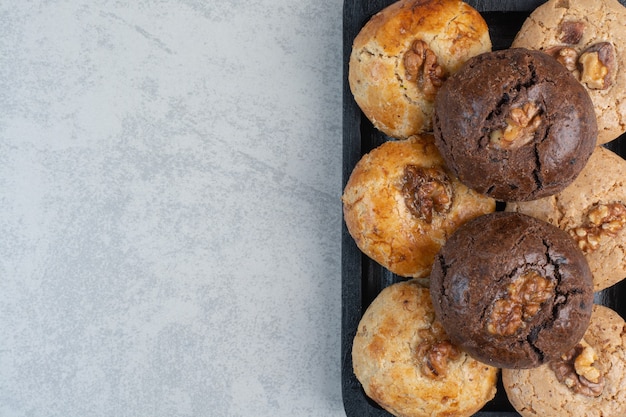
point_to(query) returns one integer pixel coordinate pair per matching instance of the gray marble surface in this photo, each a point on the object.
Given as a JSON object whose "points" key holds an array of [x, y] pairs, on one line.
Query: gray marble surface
{"points": [[170, 175]]}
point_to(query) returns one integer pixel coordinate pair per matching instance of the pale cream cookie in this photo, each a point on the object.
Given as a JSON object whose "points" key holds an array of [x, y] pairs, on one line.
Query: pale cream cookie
{"points": [[588, 381], [589, 38], [406, 363], [592, 210]]}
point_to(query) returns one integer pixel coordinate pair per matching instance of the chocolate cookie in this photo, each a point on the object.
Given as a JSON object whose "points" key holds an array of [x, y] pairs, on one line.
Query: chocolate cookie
{"points": [[406, 363], [404, 53], [589, 38], [514, 124], [588, 381], [592, 210], [401, 203], [513, 291]]}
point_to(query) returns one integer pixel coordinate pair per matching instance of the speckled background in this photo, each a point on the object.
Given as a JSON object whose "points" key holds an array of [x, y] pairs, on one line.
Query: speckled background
{"points": [[170, 175]]}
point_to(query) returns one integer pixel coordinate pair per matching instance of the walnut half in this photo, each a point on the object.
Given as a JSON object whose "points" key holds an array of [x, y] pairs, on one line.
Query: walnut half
{"points": [[578, 370], [521, 124], [598, 66], [421, 66], [523, 300], [566, 56], [426, 191], [435, 356], [601, 220], [595, 67]]}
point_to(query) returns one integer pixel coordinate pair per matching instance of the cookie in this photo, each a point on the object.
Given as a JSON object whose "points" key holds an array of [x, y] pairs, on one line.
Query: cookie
{"points": [[593, 211], [589, 381], [514, 125], [405, 362], [400, 204], [403, 54], [588, 37], [511, 290]]}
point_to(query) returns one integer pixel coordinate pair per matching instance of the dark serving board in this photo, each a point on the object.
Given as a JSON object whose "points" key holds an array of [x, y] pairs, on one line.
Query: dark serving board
{"points": [[362, 278]]}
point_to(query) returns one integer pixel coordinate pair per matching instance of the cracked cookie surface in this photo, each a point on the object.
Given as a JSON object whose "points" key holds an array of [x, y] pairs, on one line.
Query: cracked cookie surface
{"points": [[579, 26], [400, 204], [540, 392], [514, 125], [511, 290], [403, 54], [592, 209], [400, 349]]}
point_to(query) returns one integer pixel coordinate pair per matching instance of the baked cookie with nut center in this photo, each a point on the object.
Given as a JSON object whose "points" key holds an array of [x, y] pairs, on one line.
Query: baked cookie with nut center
{"points": [[514, 125], [402, 56], [406, 362], [401, 203], [588, 38], [511, 290], [588, 380]]}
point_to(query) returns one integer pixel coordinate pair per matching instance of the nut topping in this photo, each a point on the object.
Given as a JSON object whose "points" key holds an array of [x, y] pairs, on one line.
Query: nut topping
{"points": [[426, 192], [583, 364], [595, 67], [505, 318], [435, 351], [521, 124], [533, 290], [598, 66], [522, 302], [435, 356], [414, 58], [579, 370], [602, 220], [571, 32], [421, 66], [566, 56]]}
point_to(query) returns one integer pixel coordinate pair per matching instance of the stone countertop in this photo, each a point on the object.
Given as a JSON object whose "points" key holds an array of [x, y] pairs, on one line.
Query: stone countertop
{"points": [[170, 181]]}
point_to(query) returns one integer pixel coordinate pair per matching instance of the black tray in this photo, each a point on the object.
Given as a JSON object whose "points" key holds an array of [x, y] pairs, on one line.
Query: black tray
{"points": [[362, 278]]}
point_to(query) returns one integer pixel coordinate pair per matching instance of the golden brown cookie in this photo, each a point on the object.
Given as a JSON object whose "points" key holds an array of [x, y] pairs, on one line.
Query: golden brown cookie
{"points": [[405, 362], [593, 211], [403, 54], [588, 381], [401, 203], [588, 37]]}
